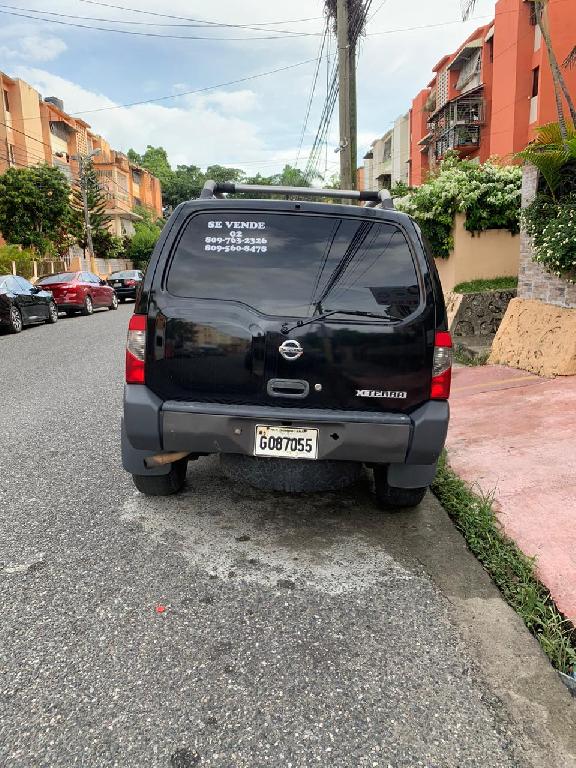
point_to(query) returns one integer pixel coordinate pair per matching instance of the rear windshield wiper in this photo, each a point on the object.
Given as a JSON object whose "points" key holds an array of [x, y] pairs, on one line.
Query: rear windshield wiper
{"points": [[324, 315]]}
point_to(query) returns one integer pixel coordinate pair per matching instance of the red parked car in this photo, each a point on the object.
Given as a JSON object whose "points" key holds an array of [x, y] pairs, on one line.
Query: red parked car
{"points": [[79, 292]]}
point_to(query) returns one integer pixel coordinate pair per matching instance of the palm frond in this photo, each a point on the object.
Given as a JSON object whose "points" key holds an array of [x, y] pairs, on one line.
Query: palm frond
{"points": [[570, 60], [551, 153], [467, 7]]}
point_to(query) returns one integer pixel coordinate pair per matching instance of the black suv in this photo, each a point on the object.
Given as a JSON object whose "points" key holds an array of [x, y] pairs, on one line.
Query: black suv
{"points": [[282, 329]]}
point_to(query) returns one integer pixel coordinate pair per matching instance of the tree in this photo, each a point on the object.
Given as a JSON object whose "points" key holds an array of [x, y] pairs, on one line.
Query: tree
{"points": [[107, 245], [560, 85], [35, 208], [147, 231], [99, 217], [155, 160], [186, 182]]}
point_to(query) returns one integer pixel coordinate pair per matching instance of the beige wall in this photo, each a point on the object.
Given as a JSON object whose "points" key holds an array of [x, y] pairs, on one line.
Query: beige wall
{"points": [[495, 253]]}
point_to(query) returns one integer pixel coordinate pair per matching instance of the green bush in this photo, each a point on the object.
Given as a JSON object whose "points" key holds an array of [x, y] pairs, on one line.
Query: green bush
{"points": [[489, 195], [490, 284], [552, 225], [22, 257]]}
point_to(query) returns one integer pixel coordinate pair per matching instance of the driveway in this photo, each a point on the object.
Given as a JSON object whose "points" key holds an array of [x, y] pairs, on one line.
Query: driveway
{"points": [[230, 627], [514, 435]]}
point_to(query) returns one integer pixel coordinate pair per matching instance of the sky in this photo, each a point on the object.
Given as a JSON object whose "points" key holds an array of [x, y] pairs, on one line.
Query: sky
{"points": [[256, 125]]}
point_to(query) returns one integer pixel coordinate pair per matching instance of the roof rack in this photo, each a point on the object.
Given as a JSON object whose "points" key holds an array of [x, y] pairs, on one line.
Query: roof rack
{"points": [[217, 189]]}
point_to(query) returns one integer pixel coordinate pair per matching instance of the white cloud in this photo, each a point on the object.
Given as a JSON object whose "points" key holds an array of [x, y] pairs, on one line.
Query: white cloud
{"points": [[259, 123], [36, 48], [198, 133], [33, 49], [232, 101]]}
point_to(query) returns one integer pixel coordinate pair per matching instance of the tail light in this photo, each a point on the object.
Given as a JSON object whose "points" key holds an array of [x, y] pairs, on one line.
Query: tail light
{"points": [[129, 282], [442, 366], [135, 350]]}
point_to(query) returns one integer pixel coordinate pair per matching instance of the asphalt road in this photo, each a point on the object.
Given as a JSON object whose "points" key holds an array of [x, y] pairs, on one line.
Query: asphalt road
{"points": [[229, 627]]}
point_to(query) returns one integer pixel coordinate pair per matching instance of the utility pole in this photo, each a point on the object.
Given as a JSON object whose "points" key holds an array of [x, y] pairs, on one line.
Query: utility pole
{"points": [[347, 95], [82, 160]]}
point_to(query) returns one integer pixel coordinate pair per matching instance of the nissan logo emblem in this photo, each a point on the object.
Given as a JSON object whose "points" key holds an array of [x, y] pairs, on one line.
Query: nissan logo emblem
{"points": [[291, 350]]}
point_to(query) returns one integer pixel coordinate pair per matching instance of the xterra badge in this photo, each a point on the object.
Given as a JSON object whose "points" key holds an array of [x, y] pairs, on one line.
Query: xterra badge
{"points": [[389, 395]]}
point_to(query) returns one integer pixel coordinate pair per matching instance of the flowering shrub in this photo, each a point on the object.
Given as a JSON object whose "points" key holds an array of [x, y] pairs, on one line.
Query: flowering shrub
{"points": [[489, 195], [552, 226]]}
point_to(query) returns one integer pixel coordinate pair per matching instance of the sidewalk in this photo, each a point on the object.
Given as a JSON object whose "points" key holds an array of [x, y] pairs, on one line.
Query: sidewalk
{"points": [[514, 435]]}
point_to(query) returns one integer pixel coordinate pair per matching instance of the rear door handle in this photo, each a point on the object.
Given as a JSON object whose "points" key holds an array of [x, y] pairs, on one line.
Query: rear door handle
{"points": [[293, 388]]}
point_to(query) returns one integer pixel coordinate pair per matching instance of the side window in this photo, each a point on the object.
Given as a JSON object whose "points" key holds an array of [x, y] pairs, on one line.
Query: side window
{"points": [[24, 284], [12, 285]]}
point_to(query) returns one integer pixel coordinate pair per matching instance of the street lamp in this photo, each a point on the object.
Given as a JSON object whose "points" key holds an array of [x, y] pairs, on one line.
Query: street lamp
{"points": [[82, 160]]}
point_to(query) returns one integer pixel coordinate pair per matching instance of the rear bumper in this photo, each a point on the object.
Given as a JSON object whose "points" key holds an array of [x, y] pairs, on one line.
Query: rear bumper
{"points": [[124, 293], [412, 441], [64, 304]]}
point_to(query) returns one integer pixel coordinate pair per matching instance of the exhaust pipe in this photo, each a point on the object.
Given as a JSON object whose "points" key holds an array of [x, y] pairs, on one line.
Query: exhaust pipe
{"points": [[161, 459]]}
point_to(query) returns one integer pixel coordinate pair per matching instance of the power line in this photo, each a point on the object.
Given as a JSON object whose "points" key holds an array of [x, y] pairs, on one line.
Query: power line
{"points": [[426, 26], [313, 90], [146, 34], [187, 18], [197, 90], [186, 93], [377, 11], [195, 22]]}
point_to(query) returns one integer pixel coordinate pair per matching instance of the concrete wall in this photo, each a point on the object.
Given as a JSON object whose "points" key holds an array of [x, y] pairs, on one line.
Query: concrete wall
{"points": [[534, 282], [495, 253], [401, 149], [477, 314]]}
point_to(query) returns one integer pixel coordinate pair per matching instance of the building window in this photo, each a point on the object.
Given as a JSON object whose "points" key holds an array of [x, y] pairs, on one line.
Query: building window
{"points": [[535, 82], [11, 158], [442, 89], [6, 101]]}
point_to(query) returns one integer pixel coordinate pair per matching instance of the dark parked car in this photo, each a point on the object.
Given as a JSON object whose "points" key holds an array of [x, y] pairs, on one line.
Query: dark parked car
{"points": [[334, 339], [80, 292], [126, 283], [22, 303]]}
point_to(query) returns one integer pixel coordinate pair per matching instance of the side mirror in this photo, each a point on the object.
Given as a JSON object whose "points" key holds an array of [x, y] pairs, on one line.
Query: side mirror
{"points": [[36, 289]]}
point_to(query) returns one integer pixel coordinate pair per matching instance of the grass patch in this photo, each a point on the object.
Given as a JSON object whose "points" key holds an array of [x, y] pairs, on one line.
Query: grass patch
{"points": [[494, 284], [511, 570], [465, 359]]}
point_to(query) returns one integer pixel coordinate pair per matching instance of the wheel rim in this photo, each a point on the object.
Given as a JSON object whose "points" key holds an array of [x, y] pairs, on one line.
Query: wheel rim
{"points": [[16, 319], [53, 312], [115, 301], [88, 305]]}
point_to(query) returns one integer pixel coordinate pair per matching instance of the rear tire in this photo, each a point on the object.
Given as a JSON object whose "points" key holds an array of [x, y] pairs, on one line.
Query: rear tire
{"points": [[15, 323], [163, 485], [122, 300], [52, 313], [395, 499], [114, 304], [88, 307]]}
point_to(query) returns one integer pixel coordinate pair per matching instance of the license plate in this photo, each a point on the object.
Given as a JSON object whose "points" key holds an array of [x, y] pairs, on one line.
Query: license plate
{"points": [[117, 285], [286, 442]]}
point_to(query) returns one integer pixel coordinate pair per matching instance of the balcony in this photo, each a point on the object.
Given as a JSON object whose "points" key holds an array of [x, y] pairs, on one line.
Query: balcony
{"points": [[457, 126], [463, 138]]}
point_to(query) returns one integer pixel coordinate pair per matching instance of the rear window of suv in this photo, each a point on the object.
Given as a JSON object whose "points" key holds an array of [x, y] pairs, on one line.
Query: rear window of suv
{"points": [[296, 264]]}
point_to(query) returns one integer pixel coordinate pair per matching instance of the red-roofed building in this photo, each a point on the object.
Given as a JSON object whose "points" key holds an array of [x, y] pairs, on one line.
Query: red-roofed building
{"points": [[488, 97]]}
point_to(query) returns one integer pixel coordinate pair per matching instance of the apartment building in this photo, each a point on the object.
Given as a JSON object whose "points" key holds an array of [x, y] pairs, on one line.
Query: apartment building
{"points": [[387, 160], [488, 97], [35, 130]]}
